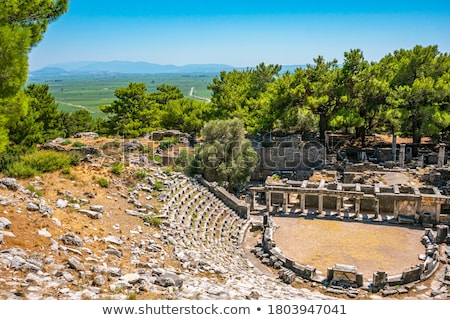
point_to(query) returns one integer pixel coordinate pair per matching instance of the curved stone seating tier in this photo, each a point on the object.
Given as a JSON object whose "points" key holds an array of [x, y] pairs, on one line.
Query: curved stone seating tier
{"points": [[199, 220]]}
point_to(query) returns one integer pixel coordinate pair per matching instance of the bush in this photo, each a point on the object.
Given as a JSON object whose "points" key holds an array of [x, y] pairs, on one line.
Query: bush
{"points": [[11, 155], [32, 189], [112, 144], [39, 162], [168, 170], [152, 220], [158, 185], [156, 158], [66, 142], [21, 170], [117, 168], [103, 182], [78, 144], [141, 174], [167, 142]]}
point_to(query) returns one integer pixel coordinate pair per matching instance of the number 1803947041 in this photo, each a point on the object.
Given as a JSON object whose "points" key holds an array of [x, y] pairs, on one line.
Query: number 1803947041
{"points": [[307, 309]]}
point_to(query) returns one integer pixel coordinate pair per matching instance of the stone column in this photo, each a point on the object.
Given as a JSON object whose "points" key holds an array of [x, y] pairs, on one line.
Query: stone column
{"points": [[394, 148], [401, 157], [421, 161], [320, 204], [285, 202], [377, 208], [302, 202], [265, 220], [357, 206], [338, 204], [441, 156], [252, 200], [395, 209], [438, 212], [269, 201]]}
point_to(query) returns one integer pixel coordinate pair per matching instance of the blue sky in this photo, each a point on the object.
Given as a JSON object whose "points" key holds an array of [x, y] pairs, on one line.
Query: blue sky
{"points": [[239, 33]]}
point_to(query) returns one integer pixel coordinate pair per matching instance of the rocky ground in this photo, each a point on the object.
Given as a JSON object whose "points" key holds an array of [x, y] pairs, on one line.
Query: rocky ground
{"points": [[151, 233], [156, 235]]}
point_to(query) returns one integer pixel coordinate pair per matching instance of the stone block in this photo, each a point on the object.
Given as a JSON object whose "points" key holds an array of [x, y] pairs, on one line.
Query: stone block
{"points": [[412, 275], [442, 233]]}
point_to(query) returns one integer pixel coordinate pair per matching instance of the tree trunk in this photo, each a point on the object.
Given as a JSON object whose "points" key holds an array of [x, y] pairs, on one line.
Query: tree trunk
{"points": [[323, 125], [361, 133], [416, 135]]}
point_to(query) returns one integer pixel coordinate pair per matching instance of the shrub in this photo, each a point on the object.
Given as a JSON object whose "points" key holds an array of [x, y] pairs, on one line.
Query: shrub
{"points": [[32, 189], [103, 182], [78, 144], [117, 168], [156, 158], [167, 142], [141, 174], [21, 170], [13, 154], [112, 144], [158, 185], [152, 220], [168, 170], [39, 162], [66, 142]]}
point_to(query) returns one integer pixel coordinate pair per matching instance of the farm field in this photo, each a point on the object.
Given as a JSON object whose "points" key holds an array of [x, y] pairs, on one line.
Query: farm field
{"points": [[74, 92]]}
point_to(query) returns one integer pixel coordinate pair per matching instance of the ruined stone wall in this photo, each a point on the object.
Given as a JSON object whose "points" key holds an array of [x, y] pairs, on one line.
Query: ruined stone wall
{"points": [[240, 206], [295, 158]]}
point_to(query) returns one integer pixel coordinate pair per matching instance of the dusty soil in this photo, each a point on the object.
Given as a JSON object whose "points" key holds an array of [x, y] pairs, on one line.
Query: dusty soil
{"points": [[369, 247]]}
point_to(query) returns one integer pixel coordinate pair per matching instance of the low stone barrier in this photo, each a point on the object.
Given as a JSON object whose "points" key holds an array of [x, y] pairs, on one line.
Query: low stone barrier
{"points": [[241, 207], [345, 275]]}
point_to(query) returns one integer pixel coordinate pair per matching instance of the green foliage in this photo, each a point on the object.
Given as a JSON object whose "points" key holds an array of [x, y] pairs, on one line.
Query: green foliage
{"points": [[185, 115], [133, 113], [419, 81], [103, 182], [225, 155], [141, 174], [158, 185], [32, 189], [11, 155], [117, 168], [168, 142], [233, 90], [39, 162], [155, 157], [168, 170], [136, 112], [41, 121], [153, 220], [22, 25], [185, 162], [112, 144], [66, 142], [78, 144], [78, 121]]}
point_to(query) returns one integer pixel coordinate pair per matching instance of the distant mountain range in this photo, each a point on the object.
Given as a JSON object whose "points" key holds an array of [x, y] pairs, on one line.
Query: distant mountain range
{"points": [[111, 67]]}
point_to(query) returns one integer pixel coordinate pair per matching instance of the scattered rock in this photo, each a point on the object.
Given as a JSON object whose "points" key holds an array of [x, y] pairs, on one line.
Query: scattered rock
{"points": [[76, 264], [71, 239], [4, 223], [91, 214], [91, 135], [169, 279]]}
